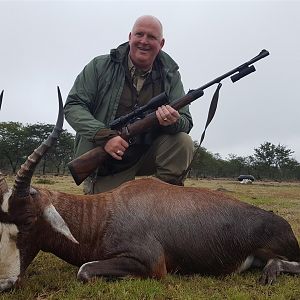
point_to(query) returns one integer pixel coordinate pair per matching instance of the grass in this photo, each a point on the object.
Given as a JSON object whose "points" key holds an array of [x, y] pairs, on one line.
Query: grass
{"points": [[51, 278]]}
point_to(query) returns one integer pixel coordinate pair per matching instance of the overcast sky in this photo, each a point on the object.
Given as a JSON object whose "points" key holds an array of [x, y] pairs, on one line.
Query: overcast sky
{"points": [[47, 43]]}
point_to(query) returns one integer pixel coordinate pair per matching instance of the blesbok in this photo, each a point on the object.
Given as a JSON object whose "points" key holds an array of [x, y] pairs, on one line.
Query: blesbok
{"points": [[144, 228]]}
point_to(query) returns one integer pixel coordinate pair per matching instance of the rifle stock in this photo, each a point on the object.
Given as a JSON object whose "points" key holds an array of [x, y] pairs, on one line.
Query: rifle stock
{"points": [[87, 163], [84, 165]]}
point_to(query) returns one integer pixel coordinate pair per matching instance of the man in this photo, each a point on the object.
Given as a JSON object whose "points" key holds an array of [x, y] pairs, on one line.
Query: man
{"points": [[113, 85]]}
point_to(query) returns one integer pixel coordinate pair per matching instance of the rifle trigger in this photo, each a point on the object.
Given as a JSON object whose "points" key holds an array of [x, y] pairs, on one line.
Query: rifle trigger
{"points": [[132, 141], [126, 131]]}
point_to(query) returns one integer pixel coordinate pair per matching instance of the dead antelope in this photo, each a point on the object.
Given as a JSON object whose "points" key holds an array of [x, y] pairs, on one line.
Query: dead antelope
{"points": [[144, 228]]}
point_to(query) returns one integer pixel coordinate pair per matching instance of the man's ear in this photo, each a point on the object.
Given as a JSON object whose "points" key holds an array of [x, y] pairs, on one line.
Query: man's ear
{"points": [[162, 42], [129, 37]]}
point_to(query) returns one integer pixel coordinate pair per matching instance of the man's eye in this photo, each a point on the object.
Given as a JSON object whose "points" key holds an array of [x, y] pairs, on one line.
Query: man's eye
{"points": [[139, 34]]}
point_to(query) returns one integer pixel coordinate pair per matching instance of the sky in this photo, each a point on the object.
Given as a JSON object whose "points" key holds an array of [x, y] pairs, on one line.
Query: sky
{"points": [[45, 44]]}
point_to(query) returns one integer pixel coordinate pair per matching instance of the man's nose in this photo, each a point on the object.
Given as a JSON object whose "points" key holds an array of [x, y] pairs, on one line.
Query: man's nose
{"points": [[144, 39]]}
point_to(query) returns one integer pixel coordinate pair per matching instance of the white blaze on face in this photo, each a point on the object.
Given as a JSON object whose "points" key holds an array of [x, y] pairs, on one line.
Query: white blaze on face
{"points": [[9, 256], [9, 253]]}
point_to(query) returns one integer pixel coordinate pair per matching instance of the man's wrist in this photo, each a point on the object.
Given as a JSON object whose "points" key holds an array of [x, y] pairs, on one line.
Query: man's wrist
{"points": [[103, 135]]}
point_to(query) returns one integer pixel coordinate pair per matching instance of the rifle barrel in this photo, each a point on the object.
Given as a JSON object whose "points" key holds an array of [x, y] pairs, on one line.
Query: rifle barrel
{"points": [[261, 55]]}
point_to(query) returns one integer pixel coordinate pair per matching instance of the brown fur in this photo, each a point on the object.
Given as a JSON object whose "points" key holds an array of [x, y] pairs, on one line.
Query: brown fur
{"points": [[165, 228]]}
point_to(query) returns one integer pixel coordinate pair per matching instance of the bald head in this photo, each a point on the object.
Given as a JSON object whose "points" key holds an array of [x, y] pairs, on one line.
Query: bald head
{"points": [[150, 20], [145, 41]]}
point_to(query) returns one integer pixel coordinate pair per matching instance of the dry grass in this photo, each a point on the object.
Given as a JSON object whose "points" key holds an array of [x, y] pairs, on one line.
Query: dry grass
{"points": [[51, 278]]}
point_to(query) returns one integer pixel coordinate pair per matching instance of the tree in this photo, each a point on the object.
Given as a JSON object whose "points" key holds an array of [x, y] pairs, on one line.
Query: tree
{"points": [[12, 143], [207, 164], [63, 151], [18, 141], [282, 156], [37, 133], [270, 159], [57, 156], [236, 165]]}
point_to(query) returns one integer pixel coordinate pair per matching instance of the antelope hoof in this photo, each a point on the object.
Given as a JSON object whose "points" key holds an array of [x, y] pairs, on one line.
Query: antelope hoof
{"points": [[7, 284], [83, 277], [270, 272]]}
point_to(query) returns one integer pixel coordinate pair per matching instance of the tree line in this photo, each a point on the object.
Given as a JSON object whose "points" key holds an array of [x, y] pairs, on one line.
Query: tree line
{"points": [[17, 141], [269, 161]]}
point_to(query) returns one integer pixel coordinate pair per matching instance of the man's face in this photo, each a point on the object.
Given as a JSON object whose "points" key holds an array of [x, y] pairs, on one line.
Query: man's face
{"points": [[145, 41]]}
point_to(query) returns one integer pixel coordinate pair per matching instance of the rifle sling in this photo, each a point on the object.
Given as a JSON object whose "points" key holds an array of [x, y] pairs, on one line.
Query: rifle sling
{"points": [[210, 116]]}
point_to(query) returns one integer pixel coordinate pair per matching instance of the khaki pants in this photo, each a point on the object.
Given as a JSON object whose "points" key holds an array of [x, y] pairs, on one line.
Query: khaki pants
{"points": [[166, 159]]}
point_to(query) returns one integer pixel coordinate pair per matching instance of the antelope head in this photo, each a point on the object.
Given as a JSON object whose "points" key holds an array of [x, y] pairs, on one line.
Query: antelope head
{"points": [[21, 210]]}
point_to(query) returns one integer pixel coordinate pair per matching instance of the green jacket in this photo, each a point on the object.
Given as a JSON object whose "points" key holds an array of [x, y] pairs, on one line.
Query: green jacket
{"points": [[93, 100]]}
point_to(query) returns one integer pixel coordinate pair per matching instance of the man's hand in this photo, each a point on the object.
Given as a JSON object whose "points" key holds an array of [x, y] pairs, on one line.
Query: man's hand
{"points": [[167, 115], [116, 147]]}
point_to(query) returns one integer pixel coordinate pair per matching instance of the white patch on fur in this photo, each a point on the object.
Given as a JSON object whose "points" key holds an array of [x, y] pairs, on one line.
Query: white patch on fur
{"points": [[6, 197], [9, 256], [246, 264]]}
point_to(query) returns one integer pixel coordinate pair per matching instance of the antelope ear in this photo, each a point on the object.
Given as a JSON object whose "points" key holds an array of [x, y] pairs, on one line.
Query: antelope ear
{"points": [[52, 216]]}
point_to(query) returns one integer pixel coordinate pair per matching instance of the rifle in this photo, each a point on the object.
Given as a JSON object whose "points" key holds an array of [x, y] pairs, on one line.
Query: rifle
{"points": [[144, 118]]}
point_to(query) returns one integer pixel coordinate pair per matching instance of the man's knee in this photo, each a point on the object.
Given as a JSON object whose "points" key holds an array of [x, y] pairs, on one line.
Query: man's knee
{"points": [[177, 146], [184, 142], [174, 157]]}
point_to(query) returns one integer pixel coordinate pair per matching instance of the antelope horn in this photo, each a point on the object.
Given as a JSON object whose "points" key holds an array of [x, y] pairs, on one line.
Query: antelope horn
{"points": [[3, 184], [23, 178], [1, 97]]}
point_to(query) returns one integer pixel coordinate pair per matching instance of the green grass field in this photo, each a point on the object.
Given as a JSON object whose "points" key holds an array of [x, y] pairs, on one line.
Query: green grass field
{"points": [[51, 278]]}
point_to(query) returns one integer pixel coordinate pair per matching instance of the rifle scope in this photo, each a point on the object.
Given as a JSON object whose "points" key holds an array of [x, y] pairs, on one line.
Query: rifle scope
{"points": [[153, 104]]}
